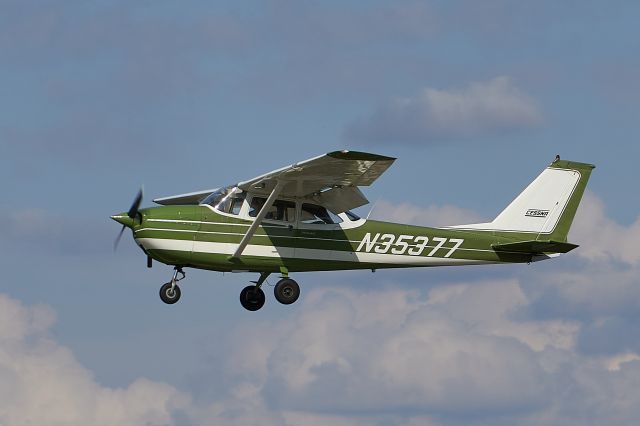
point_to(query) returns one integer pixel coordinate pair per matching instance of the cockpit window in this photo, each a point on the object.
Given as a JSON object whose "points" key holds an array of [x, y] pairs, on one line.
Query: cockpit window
{"points": [[214, 198], [280, 210], [314, 214], [231, 204], [226, 200]]}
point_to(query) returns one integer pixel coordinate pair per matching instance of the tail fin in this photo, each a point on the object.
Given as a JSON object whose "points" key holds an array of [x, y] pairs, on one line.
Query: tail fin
{"points": [[547, 206]]}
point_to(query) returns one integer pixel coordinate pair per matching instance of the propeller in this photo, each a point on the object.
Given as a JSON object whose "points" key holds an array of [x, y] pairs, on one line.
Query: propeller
{"points": [[132, 213]]}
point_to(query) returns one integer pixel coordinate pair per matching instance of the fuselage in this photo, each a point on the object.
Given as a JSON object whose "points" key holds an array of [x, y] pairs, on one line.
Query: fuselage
{"points": [[201, 237]]}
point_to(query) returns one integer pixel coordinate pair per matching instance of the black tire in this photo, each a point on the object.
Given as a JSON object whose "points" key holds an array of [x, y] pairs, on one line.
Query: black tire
{"points": [[286, 291], [169, 297], [252, 298]]}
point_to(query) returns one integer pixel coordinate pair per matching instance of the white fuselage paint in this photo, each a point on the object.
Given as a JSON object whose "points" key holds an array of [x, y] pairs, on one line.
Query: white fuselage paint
{"points": [[300, 253]]}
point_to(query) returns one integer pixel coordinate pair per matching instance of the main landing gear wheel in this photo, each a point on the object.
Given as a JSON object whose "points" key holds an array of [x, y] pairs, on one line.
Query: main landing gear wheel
{"points": [[252, 298], [169, 295], [286, 291]]}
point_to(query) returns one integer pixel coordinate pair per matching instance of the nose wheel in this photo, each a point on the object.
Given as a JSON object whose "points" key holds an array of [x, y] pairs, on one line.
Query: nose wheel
{"points": [[170, 292], [169, 295]]}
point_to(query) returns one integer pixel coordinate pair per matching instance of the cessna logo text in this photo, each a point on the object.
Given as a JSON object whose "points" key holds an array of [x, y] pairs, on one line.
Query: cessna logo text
{"points": [[537, 213], [408, 244]]}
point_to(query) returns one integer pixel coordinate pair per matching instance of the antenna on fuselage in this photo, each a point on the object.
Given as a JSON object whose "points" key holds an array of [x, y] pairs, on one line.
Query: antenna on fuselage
{"points": [[373, 206]]}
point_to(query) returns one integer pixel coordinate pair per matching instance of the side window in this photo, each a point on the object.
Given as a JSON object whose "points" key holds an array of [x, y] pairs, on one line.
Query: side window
{"points": [[280, 210], [284, 210], [236, 205], [256, 205], [315, 214]]}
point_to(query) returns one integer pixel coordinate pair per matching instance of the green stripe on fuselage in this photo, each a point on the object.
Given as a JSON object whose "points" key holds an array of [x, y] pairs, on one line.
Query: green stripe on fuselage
{"points": [[201, 224]]}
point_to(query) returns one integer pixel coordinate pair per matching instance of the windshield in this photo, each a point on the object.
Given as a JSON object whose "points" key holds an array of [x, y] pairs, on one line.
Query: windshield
{"points": [[217, 195], [228, 200]]}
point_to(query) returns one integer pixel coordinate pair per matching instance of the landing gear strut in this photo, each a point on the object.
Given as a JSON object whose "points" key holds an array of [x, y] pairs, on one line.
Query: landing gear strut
{"points": [[170, 292]]}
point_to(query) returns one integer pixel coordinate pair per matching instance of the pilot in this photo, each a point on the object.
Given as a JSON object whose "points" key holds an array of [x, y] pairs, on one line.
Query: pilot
{"points": [[256, 205]]}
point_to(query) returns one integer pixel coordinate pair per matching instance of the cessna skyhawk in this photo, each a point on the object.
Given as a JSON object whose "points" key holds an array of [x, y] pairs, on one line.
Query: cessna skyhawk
{"points": [[299, 218]]}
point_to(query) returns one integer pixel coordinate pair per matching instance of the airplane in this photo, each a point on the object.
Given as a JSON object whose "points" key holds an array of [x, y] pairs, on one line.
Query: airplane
{"points": [[299, 218]]}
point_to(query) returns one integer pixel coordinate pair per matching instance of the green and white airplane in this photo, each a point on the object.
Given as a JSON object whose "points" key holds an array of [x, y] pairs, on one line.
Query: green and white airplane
{"points": [[299, 218]]}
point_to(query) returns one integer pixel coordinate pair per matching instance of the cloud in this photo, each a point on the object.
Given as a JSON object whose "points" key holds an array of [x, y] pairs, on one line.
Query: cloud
{"points": [[601, 238], [393, 351], [476, 352], [493, 107], [433, 215], [551, 346], [456, 355], [460, 354], [42, 383], [597, 284]]}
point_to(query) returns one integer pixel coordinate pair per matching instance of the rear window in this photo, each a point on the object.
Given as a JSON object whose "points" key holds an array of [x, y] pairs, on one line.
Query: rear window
{"points": [[314, 214]]}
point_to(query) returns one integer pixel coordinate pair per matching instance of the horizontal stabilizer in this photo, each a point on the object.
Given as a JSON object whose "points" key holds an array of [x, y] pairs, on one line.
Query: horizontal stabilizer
{"points": [[536, 246]]}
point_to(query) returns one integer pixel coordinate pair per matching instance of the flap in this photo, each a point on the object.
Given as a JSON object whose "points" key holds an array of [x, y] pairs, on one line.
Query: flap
{"points": [[341, 199]]}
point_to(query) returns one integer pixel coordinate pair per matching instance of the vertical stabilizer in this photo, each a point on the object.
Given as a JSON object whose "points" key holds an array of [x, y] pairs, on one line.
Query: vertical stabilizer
{"points": [[547, 206]]}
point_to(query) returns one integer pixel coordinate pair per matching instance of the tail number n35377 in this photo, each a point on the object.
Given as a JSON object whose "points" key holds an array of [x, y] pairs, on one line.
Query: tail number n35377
{"points": [[409, 244]]}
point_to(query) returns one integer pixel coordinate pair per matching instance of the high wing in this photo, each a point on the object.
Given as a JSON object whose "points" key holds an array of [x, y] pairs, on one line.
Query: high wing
{"points": [[331, 179]]}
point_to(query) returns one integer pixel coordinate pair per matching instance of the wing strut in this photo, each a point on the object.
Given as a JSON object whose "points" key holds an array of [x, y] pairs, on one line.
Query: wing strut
{"points": [[258, 220]]}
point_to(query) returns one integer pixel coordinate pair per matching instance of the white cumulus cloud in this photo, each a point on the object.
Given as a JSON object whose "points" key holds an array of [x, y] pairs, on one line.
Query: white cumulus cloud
{"points": [[433, 115], [603, 239], [433, 215], [394, 350], [400, 357], [41, 382], [545, 347]]}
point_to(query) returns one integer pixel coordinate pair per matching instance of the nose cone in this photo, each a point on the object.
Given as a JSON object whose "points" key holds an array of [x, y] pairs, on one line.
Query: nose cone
{"points": [[123, 219]]}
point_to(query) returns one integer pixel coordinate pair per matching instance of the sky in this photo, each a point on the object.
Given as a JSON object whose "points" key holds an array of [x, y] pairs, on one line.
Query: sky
{"points": [[98, 98]]}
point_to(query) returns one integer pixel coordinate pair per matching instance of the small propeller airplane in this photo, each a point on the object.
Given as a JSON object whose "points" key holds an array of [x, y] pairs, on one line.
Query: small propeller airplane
{"points": [[298, 218]]}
